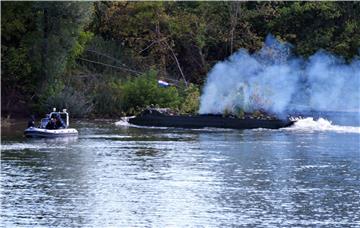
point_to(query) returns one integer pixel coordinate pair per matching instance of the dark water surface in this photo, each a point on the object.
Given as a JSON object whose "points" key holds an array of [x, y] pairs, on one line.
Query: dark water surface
{"points": [[125, 176]]}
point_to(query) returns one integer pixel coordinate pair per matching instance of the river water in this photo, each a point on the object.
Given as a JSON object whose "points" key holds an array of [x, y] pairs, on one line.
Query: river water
{"points": [[124, 176]]}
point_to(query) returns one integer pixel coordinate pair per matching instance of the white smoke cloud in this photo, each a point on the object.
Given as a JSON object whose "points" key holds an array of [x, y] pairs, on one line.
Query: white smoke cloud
{"points": [[277, 82]]}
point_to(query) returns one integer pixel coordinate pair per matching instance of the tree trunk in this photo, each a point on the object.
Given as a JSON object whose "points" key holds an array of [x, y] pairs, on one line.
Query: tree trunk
{"points": [[234, 8], [45, 48], [177, 63], [162, 51]]}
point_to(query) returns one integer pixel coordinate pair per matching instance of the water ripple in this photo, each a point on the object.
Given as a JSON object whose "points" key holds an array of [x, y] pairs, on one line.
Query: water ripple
{"points": [[131, 177]]}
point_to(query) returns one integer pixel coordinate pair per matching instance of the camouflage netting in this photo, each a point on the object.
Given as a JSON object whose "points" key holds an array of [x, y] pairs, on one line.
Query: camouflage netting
{"points": [[159, 111], [259, 114]]}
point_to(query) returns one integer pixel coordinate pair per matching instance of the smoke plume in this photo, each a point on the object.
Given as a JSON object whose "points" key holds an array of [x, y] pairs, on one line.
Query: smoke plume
{"points": [[275, 81]]}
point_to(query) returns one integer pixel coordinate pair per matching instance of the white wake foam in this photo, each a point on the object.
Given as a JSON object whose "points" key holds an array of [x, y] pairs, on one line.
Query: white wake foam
{"points": [[309, 124], [124, 121]]}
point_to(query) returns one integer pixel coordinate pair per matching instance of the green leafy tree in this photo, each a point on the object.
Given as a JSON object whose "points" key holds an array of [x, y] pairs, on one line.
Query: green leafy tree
{"points": [[17, 80], [332, 26], [59, 27], [38, 42]]}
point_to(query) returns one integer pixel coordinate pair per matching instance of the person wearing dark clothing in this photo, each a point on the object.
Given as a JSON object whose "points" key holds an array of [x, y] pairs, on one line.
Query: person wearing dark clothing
{"points": [[59, 123], [51, 124], [31, 122], [55, 123]]}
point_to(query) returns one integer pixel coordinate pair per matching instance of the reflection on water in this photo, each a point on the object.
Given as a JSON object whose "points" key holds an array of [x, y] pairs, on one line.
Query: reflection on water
{"points": [[116, 176]]}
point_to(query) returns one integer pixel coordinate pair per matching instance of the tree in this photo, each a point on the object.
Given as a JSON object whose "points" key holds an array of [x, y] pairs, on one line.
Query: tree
{"points": [[332, 26], [16, 69], [37, 40], [59, 26]]}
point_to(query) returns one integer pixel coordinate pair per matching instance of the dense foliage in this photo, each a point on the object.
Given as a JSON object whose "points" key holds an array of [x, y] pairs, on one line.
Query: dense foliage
{"points": [[100, 54]]}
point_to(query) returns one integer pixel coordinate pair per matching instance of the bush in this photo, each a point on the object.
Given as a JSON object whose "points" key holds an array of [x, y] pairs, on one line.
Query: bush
{"points": [[190, 100], [108, 99], [114, 97], [76, 103], [144, 91]]}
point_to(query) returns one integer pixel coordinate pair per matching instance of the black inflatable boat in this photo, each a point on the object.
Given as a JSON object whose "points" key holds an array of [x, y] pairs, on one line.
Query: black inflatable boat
{"points": [[153, 117]]}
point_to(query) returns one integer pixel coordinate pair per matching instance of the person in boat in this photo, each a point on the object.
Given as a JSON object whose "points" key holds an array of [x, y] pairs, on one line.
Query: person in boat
{"points": [[55, 123], [59, 122], [51, 124], [31, 122]]}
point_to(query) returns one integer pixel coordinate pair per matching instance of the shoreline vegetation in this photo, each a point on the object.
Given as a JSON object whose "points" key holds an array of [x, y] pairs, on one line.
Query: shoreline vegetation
{"points": [[6, 122], [104, 59]]}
